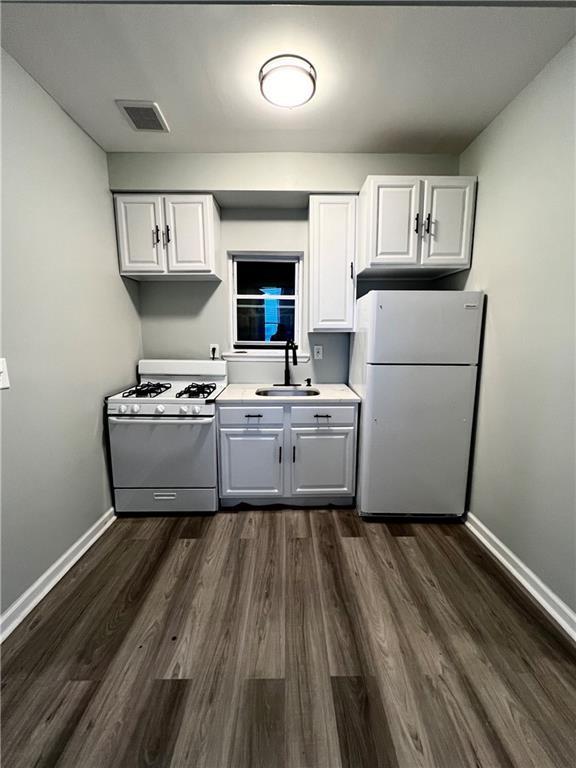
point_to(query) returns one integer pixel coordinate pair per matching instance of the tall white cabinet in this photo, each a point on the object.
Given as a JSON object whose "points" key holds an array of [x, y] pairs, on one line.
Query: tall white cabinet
{"points": [[332, 254], [167, 236], [415, 226]]}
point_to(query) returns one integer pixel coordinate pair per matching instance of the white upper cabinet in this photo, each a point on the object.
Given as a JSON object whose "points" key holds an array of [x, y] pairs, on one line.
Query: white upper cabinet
{"points": [[190, 233], [332, 226], [140, 226], [415, 226], [167, 236], [397, 220], [449, 213]]}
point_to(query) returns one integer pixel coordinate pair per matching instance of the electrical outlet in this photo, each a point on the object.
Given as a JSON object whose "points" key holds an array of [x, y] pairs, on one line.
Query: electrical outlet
{"points": [[214, 353], [4, 380], [318, 352]]}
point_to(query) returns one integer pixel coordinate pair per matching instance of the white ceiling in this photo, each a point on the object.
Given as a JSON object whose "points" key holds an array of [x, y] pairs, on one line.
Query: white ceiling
{"points": [[390, 79]]}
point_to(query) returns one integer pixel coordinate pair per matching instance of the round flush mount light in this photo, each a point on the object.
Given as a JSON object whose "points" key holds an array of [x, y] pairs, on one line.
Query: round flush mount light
{"points": [[287, 81]]}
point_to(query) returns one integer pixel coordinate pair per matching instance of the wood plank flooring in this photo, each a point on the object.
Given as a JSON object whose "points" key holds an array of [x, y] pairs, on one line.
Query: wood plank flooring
{"points": [[287, 639]]}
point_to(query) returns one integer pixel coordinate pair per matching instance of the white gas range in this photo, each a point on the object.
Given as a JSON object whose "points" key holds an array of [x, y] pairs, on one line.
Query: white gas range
{"points": [[162, 437]]}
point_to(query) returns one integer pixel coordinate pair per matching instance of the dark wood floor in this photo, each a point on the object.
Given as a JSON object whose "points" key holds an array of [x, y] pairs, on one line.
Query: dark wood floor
{"points": [[293, 638]]}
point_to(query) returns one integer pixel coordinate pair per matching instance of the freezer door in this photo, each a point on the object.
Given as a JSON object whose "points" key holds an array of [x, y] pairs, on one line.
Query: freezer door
{"points": [[415, 440], [425, 327]]}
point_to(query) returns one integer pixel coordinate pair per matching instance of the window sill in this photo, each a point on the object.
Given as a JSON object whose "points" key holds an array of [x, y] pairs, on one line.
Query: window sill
{"points": [[268, 356]]}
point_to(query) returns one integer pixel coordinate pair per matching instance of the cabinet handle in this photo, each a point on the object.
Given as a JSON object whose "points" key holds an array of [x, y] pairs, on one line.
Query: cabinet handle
{"points": [[280, 455], [168, 240], [156, 235], [416, 223], [252, 415], [428, 223], [322, 415], [352, 270], [293, 454]]}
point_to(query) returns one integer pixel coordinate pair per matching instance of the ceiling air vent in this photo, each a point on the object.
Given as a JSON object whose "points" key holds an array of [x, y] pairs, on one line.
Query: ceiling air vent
{"points": [[143, 115]]}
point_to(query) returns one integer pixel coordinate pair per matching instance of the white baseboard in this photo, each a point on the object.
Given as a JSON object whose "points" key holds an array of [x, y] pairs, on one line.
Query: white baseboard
{"points": [[560, 613], [21, 607]]}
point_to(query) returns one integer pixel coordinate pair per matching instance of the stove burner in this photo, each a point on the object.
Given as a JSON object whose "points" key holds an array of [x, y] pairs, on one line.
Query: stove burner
{"points": [[147, 389], [197, 390]]}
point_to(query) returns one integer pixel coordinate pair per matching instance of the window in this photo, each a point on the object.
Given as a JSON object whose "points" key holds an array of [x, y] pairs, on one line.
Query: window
{"points": [[265, 302]]}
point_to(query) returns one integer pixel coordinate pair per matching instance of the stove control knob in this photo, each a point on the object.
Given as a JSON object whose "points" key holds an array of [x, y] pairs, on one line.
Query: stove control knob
{"points": [[160, 409], [196, 410], [183, 409], [135, 408], [123, 408]]}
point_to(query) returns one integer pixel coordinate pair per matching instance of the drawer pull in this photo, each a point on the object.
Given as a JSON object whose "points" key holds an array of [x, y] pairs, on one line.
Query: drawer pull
{"points": [[322, 415], [164, 496], [252, 415]]}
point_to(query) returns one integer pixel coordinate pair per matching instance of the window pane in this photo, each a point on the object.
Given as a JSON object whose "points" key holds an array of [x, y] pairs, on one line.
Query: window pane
{"points": [[254, 277], [265, 320]]}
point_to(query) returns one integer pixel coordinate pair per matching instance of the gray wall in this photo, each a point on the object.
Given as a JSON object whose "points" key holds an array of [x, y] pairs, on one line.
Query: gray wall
{"points": [[71, 331], [182, 319], [280, 172], [524, 257]]}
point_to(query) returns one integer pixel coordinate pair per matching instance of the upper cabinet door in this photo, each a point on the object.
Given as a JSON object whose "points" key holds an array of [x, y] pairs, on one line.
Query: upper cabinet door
{"points": [[140, 226], [398, 220], [332, 262], [190, 233], [449, 203]]}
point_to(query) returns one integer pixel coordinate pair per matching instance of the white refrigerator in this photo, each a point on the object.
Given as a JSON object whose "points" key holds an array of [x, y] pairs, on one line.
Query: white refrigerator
{"points": [[413, 362]]}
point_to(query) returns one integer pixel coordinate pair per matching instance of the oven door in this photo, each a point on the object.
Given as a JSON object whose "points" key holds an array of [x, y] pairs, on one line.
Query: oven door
{"points": [[163, 452]]}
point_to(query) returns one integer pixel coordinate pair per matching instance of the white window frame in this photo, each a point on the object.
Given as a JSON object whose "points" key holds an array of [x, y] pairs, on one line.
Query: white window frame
{"points": [[264, 350]]}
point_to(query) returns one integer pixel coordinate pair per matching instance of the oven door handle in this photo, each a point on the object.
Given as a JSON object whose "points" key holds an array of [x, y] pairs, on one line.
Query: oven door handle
{"points": [[162, 420]]}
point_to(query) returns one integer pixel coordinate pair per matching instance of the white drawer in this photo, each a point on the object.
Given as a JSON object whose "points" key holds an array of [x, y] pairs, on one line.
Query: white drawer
{"points": [[323, 415], [244, 416], [166, 500]]}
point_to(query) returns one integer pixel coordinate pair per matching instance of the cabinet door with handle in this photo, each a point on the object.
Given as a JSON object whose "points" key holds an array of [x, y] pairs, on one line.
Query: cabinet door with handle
{"points": [[251, 462], [332, 262], [398, 220], [189, 233], [322, 461], [448, 210], [140, 226]]}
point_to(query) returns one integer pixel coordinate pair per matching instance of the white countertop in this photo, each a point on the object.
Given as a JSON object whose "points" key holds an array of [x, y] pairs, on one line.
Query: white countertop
{"points": [[246, 393]]}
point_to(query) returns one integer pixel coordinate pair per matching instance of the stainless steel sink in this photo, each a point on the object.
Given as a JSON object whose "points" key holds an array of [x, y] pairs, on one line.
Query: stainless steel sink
{"points": [[287, 391]]}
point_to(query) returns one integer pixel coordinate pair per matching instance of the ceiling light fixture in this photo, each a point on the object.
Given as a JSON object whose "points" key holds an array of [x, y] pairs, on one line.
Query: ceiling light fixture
{"points": [[287, 81]]}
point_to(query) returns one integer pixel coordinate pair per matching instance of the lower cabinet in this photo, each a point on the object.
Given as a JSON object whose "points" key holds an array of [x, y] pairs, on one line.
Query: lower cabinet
{"points": [[315, 459], [322, 461], [251, 462]]}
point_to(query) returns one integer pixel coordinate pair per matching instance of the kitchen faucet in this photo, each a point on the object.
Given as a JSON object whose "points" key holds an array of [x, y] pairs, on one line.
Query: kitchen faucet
{"points": [[290, 345]]}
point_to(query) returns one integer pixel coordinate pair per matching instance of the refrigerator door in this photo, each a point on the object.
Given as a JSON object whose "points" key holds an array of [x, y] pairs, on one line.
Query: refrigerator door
{"points": [[415, 440], [425, 327]]}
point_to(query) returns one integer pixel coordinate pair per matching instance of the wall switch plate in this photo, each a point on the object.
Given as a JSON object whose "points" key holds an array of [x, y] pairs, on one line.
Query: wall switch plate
{"points": [[4, 380], [318, 352], [214, 353]]}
